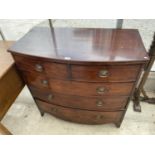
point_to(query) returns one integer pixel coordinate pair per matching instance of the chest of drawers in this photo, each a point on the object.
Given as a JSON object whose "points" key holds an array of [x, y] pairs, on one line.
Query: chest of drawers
{"points": [[79, 74]]}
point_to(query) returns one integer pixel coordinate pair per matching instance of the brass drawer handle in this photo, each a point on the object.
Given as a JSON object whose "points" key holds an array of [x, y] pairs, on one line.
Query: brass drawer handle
{"points": [[50, 97], [38, 68], [103, 73], [54, 110], [101, 90], [44, 82], [99, 103], [99, 117]]}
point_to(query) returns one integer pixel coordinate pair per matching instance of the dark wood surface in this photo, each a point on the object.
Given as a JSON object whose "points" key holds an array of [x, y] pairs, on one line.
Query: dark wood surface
{"points": [[77, 88], [80, 116], [87, 72], [83, 44], [92, 73], [102, 103], [90, 89], [81, 74]]}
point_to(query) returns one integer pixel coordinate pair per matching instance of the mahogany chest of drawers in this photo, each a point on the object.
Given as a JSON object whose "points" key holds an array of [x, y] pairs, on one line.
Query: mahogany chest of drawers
{"points": [[80, 74]]}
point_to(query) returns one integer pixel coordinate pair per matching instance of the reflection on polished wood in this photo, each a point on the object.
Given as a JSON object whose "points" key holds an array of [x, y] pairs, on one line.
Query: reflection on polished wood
{"points": [[83, 75], [83, 44]]}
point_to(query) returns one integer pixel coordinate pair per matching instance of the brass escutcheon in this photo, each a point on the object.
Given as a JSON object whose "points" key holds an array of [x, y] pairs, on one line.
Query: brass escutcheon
{"points": [[38, 67], [103, 73], [100, 90], [45, 82], [50, 97], [99, 103]]}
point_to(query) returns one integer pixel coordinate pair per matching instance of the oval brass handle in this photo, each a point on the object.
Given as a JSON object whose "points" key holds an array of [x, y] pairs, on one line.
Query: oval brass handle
{"points": [[50, 97], [99, 103], [38, 67], [101, 90], [103, 73], [98, 117], [45, 82], [54, 110]]}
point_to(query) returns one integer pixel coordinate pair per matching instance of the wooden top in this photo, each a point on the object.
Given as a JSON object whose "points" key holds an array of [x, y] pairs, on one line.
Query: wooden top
{"points": [[83, 44], [6, 59]]}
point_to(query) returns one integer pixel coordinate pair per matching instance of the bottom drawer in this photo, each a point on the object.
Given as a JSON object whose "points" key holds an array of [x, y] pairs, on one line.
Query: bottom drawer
{"points": [[80, 116]]}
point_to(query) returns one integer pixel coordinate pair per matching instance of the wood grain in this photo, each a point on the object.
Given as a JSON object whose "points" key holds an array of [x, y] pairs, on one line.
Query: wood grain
{"points": [[89, 103], [83, 45], [80, 116], [11, 85], [10, 81], [90, 89], [83, 75], [114, 73]]}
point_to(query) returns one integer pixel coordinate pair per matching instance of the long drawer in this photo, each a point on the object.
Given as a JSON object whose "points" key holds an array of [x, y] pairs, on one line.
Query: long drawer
{"points": [[90, 89], [78, 88], [80, 116], [90, 73], [89, 103]]}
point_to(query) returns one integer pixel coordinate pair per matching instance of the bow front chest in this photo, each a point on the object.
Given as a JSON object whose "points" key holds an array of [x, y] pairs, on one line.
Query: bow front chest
{"points": [[83, 75]]}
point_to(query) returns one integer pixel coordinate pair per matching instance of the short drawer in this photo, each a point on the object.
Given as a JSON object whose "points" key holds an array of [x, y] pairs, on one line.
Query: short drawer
{"points": [[88, 103], [35, 65], [123, 73], [30, 64], [90, 89], [80, 116], [36, 80]]}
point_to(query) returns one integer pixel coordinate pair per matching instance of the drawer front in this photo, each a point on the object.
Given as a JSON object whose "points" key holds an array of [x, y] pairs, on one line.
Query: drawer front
{"points": [[36, 80], [80, 116], [88, 103], [124, 73], [56, 70], [35, 65], [105, 73], [29, 64], [90, 89]]}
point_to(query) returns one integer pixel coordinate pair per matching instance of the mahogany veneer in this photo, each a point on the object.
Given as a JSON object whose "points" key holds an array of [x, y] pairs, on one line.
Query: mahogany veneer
{"points": [[80, 74]]}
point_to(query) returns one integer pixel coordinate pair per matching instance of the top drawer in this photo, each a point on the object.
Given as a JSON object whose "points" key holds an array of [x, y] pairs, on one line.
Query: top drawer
{"points": [[90, 73], [105, 73]]}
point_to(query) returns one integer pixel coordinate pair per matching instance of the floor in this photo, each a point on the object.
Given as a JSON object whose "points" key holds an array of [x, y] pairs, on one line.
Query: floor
{"points": [[24, 118]]}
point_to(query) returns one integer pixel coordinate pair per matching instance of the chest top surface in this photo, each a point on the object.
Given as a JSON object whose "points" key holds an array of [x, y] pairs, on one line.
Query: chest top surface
{"points": [[82, 44]]}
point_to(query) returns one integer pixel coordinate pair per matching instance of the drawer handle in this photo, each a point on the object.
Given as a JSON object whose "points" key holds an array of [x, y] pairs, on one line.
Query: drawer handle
{"points": [[38, 68], [99, 103], [101, 90], [50, 97], [45, 82], [103, 73], [54, 110], [98, 117]]}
